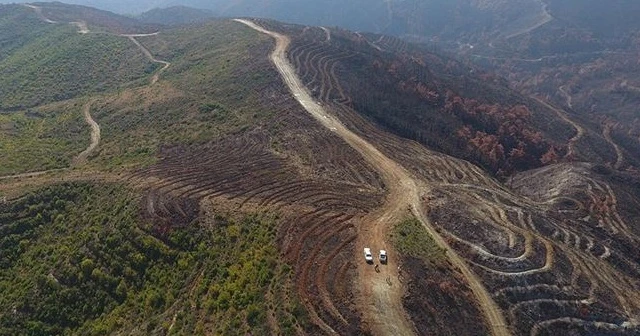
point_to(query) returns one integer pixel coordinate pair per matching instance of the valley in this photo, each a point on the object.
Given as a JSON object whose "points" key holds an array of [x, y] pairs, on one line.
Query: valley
{"points": [[230, 188]]}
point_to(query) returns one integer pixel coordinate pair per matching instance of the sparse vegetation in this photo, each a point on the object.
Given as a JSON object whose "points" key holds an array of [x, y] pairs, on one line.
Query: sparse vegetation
{"points": [[62, 64], [411, 239], [41, 138], [417, 94], [18, 26]]}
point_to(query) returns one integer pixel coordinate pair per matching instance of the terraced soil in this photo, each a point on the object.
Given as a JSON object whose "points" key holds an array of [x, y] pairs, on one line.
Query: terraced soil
{"points": [[381, 304], [532, 252], [554, 250]]}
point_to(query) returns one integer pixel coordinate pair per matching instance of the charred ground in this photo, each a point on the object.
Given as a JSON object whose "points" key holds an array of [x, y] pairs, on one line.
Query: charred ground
{"points": [[219, 151]]}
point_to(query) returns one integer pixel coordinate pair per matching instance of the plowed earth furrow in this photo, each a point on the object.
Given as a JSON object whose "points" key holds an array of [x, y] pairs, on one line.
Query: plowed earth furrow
{"points": [[404, 192], [531, 255], [528, 251]]}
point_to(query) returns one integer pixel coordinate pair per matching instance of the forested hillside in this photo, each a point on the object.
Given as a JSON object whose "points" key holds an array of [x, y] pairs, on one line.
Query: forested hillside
{"points": [[175, 15], [584, 59], [81, 259], [444, 104], [201, 178]]}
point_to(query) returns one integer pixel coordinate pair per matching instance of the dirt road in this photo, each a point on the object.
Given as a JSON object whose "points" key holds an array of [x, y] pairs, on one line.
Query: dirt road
{"points": [[84, 29], [381, 301], [82, 26], [606, 133], [563, 115], [95, 136], [566, 95], [38, 11], [545, 18], [327, 32], [95, 128], [147, 53]]}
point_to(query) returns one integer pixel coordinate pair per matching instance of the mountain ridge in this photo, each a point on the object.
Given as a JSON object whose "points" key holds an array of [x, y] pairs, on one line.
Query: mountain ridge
{"points": [[214, 203]]}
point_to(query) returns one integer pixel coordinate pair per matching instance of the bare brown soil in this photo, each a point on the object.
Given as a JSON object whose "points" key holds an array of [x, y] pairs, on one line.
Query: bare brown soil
{"points": [[320, 218], [381, 304], [554, 252], [532, 250]]}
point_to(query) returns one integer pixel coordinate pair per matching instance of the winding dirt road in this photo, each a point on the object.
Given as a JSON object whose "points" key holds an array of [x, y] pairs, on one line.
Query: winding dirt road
{"points": [[606, 133], [95, 128], [544, 19], [563, 115], [147, 53], [566, 95], [381, 301], [95, 136], [84, 29], [81, 25], [327, 32]]}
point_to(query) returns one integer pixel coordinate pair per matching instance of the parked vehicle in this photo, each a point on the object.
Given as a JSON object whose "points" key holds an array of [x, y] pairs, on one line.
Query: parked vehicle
{"points": [[367, 255], [383, 256]]}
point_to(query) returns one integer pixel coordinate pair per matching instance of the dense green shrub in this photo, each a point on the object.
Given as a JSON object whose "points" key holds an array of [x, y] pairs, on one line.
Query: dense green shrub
{"points": [[78, 259]]}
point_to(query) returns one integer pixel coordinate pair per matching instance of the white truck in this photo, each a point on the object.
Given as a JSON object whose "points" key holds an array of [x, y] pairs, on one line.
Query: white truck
{"points": [[367, 255], [383, 256]]}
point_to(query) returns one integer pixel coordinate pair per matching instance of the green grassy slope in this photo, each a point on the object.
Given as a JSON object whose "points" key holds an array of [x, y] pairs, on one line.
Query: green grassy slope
{"points": [[62, 64], [98, 20], [79, 259], [84, 258], [213, 88], [46, 72], [42, 138], [18, 25]]}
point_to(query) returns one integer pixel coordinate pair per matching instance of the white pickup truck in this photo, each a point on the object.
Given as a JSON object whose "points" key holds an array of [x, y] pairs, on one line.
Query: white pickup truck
{"points": [[383, 256], [367, 255]]}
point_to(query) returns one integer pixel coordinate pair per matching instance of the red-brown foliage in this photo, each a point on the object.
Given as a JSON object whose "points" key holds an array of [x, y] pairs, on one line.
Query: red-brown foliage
{"points": [[500, 135]]}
